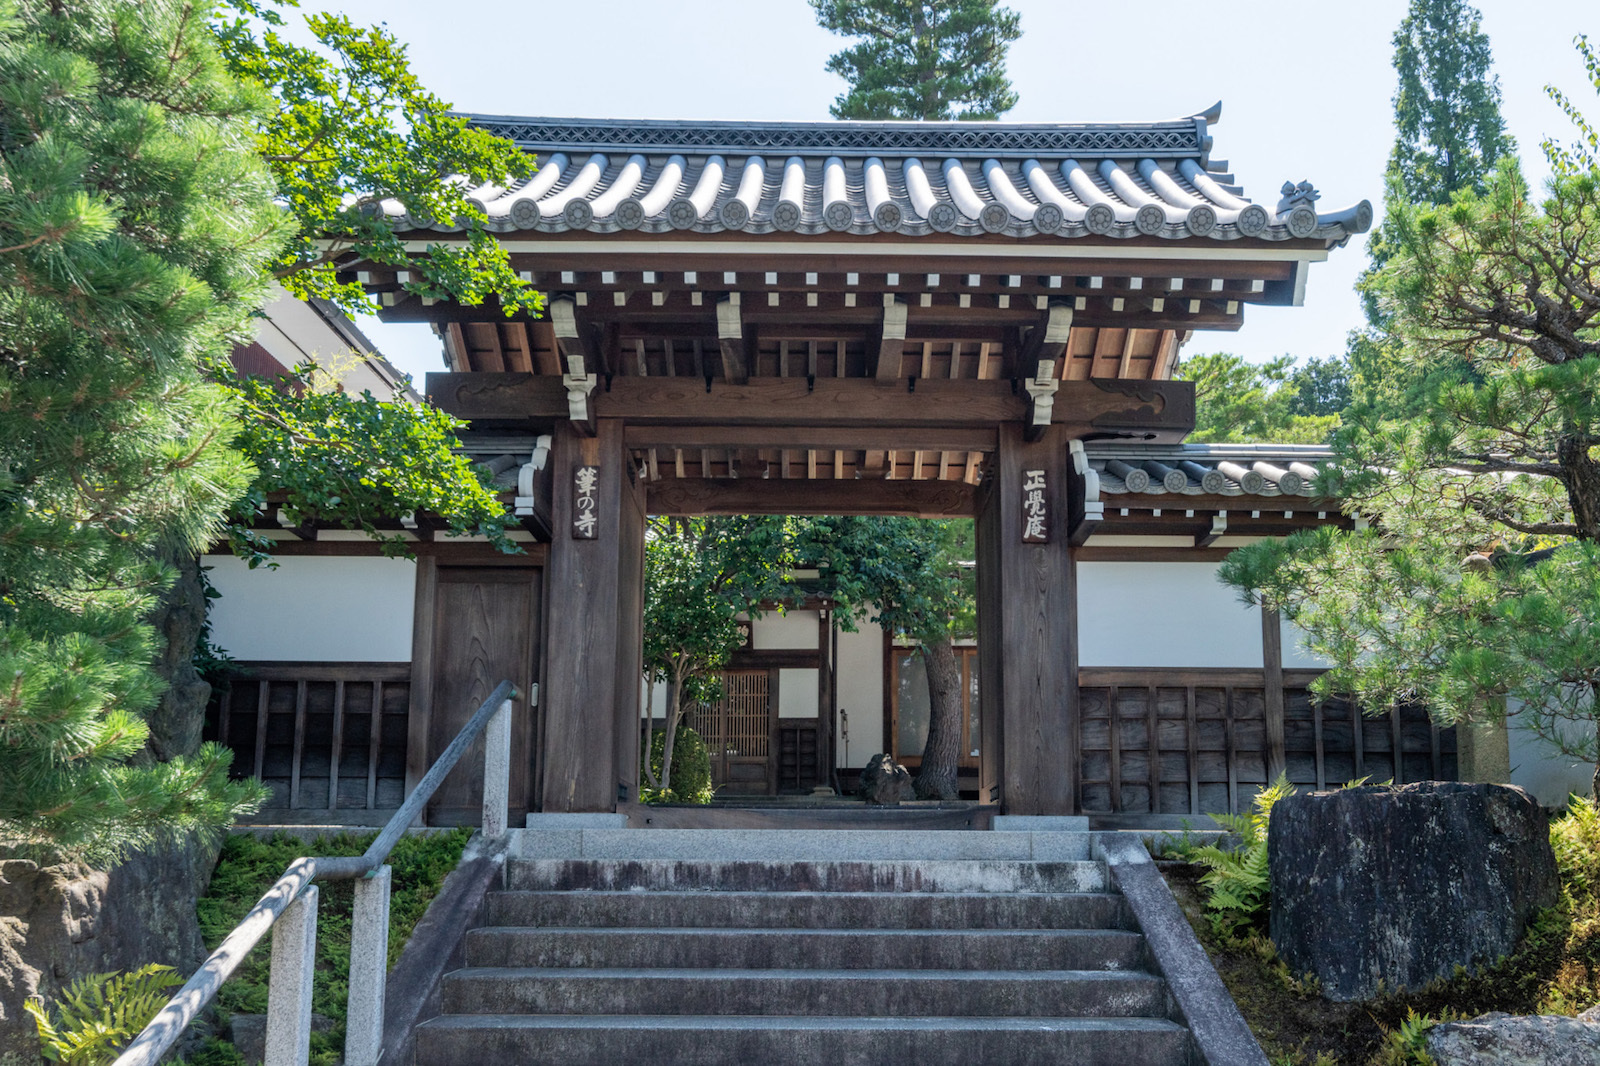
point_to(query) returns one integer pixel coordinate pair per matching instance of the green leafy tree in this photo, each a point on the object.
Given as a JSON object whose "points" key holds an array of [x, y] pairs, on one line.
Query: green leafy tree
{"points": [[1321, 387], [135, 227], [351, 128], [914, 578], [927, 59], [1237, 401], [700, 576], [1480, 582], [323, 454]]}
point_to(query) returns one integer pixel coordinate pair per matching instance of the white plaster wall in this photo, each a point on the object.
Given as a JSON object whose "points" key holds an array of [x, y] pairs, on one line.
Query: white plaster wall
{"points": [[1163, 614], [794, 630], [314, 608], [860, 672], [1537, 766], [797, 693], [1296, 656]]}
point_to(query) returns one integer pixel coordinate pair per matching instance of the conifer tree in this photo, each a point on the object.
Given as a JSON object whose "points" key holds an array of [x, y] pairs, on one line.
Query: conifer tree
{"points": [[927, 59], [1477, 589], [136, 225]]}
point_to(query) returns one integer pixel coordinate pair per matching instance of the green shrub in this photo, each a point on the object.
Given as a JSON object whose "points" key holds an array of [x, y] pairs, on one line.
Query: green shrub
{"points": [[248, 867], [691, 769], [99, 1015], [1236, 879]]}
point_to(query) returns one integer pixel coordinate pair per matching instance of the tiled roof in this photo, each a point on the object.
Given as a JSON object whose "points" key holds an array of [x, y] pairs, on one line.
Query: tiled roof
{"points": [[908, 178], [1263, 470]]}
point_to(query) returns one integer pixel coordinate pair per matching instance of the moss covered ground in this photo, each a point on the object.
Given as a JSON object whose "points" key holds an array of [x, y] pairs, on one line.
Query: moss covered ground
{"points": [[1554, 970], [247, 868]]}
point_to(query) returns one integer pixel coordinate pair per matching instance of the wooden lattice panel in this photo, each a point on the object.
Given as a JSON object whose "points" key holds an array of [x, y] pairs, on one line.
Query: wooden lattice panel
{"points": [[739, 721], [1197, 745]]}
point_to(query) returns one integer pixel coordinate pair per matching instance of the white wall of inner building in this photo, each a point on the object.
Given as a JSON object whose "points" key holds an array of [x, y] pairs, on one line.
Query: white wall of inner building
{"points": [[785, 632], [797, 693], [1163, 614], [314, 608], [859, 730], [1538, 765]]}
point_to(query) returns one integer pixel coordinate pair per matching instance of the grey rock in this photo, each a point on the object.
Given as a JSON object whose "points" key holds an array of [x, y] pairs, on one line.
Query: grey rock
{"points": [[248, 1033], [1510, 1040], [884, 782], [1397, 887], [65, 921]]}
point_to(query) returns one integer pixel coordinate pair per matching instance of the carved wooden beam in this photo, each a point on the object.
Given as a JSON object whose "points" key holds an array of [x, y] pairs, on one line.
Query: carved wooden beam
{"points": [[1139, 410], [924, 499], [730, 334], [891, 340]]}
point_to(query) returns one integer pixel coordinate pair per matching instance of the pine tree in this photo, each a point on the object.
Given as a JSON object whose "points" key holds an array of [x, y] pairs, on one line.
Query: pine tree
{"points": [[928, 59], [136, 224], [1478, 584]]}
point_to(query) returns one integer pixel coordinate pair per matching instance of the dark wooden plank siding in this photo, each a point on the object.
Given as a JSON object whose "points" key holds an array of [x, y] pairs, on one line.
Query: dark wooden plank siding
{"points": [[1171, 741]]}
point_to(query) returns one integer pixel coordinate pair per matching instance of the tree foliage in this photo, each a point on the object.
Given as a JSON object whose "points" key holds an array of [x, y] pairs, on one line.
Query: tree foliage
{"points": [[914, 578], [1481, 581], [350, 127], [325, 454], [135, 228], [928, 59], [1237, 401], [1449, 133], [701, 575]]}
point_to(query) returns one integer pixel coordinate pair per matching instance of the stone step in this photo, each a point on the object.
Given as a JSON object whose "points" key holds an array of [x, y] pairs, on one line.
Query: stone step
{"points": [[808, 910], [794, 845], [826, 949], [870, 993], [939, 875], [519, 1040]]}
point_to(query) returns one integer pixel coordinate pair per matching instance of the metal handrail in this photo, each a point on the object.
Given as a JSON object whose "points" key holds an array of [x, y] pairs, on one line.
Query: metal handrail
{"points": [[156, 1038]]}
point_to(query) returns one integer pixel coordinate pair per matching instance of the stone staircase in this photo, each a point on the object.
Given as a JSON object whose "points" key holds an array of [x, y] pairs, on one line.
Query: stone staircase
{"points": [[723, 947]]}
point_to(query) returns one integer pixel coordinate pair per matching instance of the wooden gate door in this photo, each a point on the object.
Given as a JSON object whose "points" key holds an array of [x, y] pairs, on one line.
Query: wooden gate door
{"points": [[483, 628], [738, 734]]}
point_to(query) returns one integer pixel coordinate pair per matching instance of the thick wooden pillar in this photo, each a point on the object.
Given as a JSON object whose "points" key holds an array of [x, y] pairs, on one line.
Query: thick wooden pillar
{"points": [[1027, 630], [593, 612]]}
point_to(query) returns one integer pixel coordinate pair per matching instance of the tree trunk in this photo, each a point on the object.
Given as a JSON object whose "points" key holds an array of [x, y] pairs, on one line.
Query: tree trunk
{"points": [[940, 757], [648, 740], [177, 720], [674, 714]]}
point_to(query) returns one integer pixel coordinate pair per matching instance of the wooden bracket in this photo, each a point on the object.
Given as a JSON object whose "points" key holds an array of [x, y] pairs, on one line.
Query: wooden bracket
{"points": [[1219, 526], [891, 340], [730, 334], [1085, 508]]}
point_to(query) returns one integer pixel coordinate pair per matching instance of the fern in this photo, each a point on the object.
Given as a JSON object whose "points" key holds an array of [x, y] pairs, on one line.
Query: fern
{"points": [[98, 1015], [1237, 879]]}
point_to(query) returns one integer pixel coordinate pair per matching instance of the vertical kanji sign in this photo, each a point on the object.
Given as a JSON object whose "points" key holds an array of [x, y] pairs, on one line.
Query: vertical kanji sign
{"points": [[1035, 508], [585, 480]]}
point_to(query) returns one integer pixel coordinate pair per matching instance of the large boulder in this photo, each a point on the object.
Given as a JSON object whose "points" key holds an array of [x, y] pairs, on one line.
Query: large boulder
{"points": [[884, 782], [1510, 1040], [62, 922], [1398, 886]]}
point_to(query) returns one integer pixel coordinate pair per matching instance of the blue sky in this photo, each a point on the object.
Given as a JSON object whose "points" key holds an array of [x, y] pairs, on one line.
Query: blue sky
{"points": [[1306, 91]]}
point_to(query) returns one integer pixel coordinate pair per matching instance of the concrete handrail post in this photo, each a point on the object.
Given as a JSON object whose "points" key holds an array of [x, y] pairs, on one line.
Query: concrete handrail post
{"points": [[369, 969], [294, 964], [497, 772]]}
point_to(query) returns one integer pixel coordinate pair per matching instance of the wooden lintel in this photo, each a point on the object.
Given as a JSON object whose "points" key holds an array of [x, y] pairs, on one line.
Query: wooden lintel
{"points": [[799, 496], [813, 438], [1140, 410]]}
